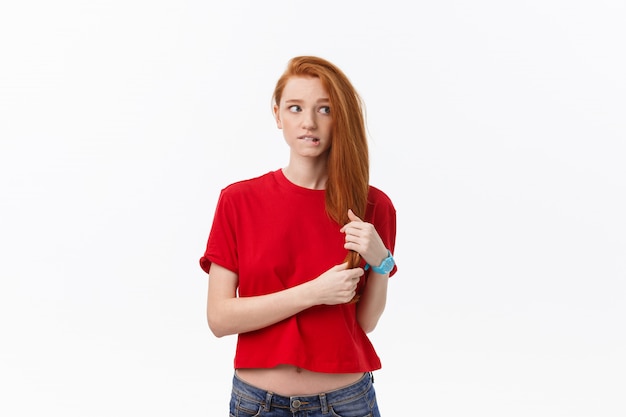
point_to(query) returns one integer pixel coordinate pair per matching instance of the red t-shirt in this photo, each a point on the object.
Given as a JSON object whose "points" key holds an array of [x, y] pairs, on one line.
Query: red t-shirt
{"points": [[276, 235]]}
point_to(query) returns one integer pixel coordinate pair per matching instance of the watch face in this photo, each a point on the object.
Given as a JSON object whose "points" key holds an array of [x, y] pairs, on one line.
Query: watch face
{"points": [[387, 265]]}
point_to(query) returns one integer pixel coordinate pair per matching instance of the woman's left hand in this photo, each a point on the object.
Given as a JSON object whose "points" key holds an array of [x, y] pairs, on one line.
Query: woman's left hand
{"points": [[363, 238]]}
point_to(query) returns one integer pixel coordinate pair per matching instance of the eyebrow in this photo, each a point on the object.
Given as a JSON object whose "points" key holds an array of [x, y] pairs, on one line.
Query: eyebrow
{"points": [[295, 100]]}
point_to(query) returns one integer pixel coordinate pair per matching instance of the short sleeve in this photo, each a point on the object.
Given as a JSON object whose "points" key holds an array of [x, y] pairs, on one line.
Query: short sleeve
{"points": [[382, 215], [221, 246]]}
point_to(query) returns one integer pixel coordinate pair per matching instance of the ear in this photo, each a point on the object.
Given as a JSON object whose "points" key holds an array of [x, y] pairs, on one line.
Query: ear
{"points": [[279, 124]]}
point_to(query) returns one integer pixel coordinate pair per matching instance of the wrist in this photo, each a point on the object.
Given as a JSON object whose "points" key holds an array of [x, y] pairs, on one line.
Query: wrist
{"points": [[381, 258], [306, 294]]}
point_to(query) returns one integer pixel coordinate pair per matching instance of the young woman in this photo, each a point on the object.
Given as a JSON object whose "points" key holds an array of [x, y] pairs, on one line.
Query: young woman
{"points": [[299, 258]]}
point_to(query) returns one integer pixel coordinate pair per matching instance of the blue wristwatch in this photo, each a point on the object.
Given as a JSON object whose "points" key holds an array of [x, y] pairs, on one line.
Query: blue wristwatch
{"points": [[385, 266]]}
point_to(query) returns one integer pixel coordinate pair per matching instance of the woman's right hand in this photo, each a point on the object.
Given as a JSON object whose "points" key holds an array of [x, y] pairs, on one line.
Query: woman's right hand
{"points": [[337, 285]]}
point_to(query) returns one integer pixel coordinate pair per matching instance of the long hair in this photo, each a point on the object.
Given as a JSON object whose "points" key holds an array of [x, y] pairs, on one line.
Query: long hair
{"points": [[348, 158]]}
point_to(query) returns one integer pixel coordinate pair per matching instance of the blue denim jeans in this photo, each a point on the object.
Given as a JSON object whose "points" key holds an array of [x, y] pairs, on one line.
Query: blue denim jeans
{"points": [[356, 400]]}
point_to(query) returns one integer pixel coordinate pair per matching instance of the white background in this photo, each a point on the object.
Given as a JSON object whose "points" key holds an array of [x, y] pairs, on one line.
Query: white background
{"points": [[497, 128]]}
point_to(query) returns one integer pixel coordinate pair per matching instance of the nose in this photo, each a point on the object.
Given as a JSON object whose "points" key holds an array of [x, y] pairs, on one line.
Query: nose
{"points": [[308, 121]]}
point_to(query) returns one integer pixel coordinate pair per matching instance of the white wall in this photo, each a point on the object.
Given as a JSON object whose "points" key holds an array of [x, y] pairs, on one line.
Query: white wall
{"points": [[497, 128]]}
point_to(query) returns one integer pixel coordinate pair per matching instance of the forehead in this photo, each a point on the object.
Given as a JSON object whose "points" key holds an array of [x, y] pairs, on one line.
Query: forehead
{"points": [[304, 88]]}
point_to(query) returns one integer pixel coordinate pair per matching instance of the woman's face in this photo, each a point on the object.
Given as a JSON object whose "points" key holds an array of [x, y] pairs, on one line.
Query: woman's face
{"points": [[304, 115]]}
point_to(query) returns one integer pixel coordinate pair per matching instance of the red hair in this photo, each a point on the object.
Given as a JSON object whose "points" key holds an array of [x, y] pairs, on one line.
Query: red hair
{"points": [[348, 158]]}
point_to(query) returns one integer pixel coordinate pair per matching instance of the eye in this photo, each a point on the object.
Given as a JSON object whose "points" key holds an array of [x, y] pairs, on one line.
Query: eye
{"points": [[294, 109], [325, 110]]}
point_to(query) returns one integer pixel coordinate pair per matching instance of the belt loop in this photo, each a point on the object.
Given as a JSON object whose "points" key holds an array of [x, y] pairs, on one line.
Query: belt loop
{"points": [[372, 376], [268, 401], [323, 403]]}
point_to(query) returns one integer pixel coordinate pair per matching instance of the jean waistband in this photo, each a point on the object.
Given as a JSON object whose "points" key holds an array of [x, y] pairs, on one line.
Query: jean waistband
{"points": [[304, 402]]}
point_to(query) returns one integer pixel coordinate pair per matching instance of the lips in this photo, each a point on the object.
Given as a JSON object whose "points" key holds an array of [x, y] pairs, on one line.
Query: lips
{"points": [[312, 139]]}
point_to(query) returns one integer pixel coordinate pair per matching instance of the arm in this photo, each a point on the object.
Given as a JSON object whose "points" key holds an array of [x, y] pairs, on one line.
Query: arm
{"points": [[363, 238], [372, 303], [229, 314]]}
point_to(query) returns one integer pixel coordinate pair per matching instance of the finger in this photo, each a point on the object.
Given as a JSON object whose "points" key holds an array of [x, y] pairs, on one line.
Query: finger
{"points": [[352, 235], [356, 274], [351, 245], [353, 217], [340, 267]]}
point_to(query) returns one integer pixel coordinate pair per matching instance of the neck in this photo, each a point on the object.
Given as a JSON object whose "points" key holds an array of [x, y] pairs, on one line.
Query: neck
{"points": [[312, 176]]}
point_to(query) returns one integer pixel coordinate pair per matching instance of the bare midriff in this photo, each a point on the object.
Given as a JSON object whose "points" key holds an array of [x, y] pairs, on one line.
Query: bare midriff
{"points": [[289, 380]]}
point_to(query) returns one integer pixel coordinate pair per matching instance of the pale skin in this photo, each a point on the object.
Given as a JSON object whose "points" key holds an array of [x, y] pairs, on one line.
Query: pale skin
{"points": [[304, 116]]}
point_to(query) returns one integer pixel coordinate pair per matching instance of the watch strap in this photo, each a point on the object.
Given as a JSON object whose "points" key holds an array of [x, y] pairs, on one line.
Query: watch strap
{"points": [[382, 268]]}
